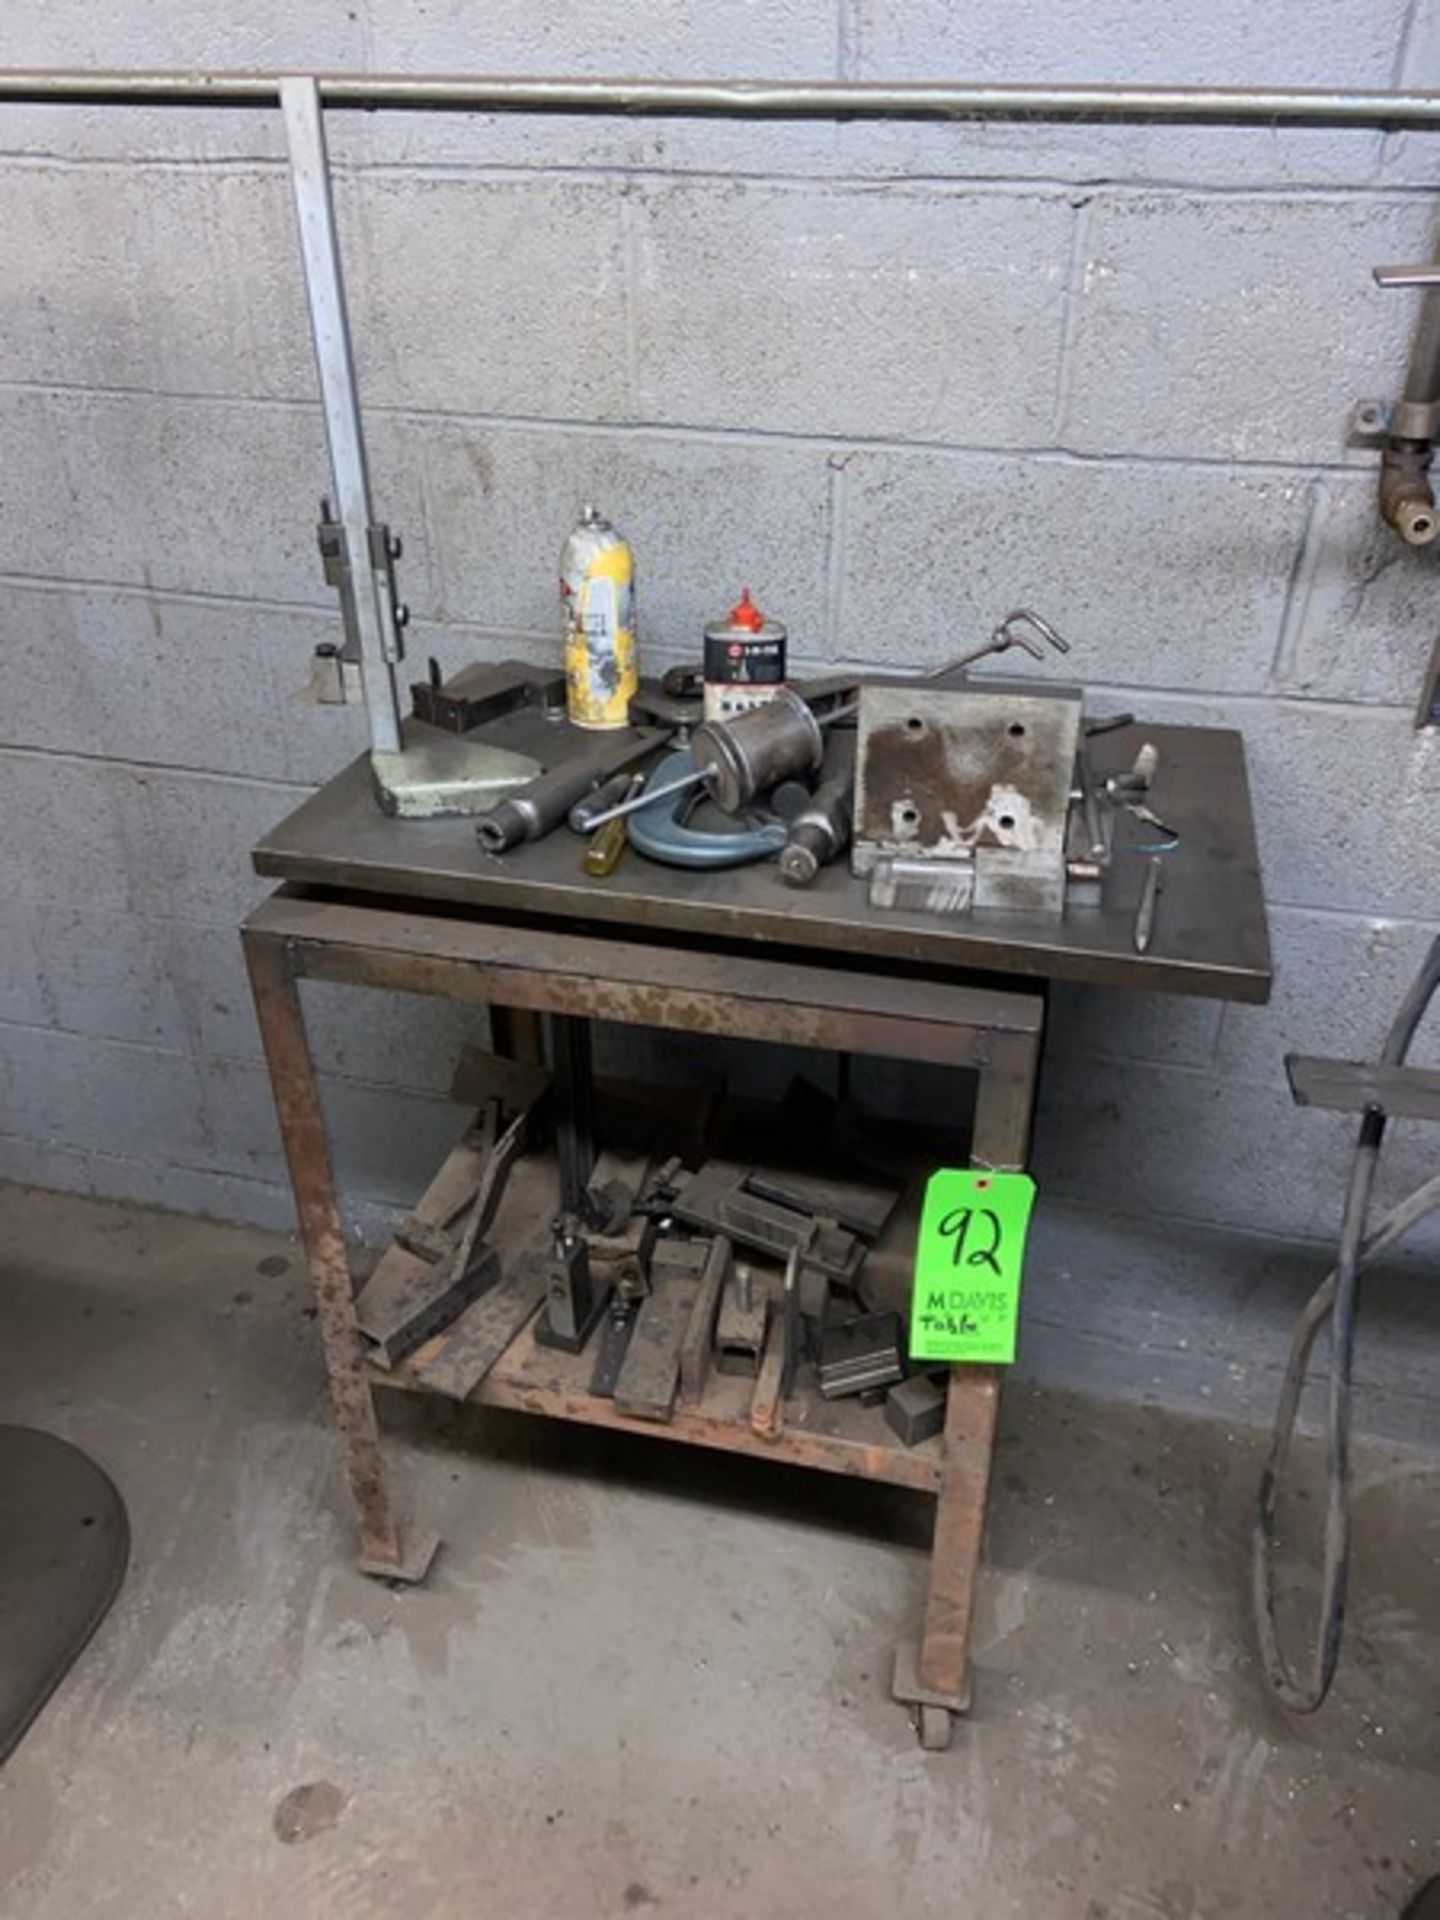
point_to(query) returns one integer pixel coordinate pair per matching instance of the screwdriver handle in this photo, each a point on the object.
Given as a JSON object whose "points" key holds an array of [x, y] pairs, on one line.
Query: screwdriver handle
{"points": [[607, 843]]}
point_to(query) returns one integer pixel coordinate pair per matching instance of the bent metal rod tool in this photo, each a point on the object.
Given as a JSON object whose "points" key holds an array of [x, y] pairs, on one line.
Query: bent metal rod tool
{"points": [[1149, 895]]}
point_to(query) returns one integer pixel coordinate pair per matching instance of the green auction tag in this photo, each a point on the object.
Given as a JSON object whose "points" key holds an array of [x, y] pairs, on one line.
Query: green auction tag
{"points": [[968, 1262]]}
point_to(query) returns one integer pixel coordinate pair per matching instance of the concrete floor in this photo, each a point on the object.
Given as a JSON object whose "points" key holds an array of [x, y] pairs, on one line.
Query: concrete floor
{"points": [[641, 1677]]}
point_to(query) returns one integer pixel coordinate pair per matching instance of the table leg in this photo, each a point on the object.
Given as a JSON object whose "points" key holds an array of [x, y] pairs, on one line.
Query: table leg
{"points": [[934, 1679], [971, 1406], [1005, 1102], [307, 1154], [515, 1034]]}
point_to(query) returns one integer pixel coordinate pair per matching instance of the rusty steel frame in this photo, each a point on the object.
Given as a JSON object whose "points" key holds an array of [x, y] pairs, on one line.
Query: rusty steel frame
{"points": [[525, 971]]}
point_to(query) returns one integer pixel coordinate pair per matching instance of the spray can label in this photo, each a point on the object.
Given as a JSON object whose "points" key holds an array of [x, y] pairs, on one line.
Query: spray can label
{"points": [[597, 595]]}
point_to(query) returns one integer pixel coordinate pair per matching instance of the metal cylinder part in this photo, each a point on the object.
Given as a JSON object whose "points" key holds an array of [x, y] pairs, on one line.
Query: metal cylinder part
{"points": [[1407, 494], [807, 850], [926, 886], [737, 759], [1415, 419], [539, 808], [820, 832], [789, 800], [745, 756], [508, 824]]}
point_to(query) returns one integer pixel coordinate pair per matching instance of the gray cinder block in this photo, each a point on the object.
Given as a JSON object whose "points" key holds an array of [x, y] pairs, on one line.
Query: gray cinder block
{"points": [[904, 313], [705, 517], [1160, 576], [1197, 330]]}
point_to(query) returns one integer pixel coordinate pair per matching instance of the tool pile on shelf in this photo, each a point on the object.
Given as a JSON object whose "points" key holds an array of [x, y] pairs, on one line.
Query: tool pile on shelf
{"points": [[666, 1270]]}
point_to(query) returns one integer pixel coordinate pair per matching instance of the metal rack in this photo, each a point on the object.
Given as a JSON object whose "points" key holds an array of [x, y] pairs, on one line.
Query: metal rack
{"points": [[576, 974]]}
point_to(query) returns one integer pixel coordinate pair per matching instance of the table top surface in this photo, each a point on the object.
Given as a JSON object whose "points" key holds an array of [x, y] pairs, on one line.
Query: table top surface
{"points": [[1210, 934]]}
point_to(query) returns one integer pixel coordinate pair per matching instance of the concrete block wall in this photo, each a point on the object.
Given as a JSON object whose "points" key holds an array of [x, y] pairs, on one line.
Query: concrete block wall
{"points": [[896, 378]]}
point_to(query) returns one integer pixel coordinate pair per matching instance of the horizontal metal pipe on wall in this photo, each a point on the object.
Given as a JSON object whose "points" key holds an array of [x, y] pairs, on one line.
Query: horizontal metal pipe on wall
{"points": [[744, 99]]}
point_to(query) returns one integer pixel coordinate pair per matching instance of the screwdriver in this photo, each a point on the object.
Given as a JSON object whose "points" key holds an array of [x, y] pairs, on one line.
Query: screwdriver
{"points": [[607, 843]]}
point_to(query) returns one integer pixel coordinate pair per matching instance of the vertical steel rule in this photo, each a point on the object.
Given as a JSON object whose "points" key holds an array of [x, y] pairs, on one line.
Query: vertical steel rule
{"points": [[330, 330]]}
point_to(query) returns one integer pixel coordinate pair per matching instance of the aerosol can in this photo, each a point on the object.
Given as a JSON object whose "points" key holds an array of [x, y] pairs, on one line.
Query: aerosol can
{"points": [[597, 597]]}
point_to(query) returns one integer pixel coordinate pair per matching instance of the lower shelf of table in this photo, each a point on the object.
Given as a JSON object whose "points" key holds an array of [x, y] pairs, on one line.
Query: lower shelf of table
{"points": [[830, 1436]]}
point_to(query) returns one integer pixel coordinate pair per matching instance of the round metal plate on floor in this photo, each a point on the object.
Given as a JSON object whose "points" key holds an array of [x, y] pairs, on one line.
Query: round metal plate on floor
{"points": [[64, 1545]]}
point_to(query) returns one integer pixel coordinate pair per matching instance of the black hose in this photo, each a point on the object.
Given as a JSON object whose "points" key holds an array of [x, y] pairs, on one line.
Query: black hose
{"points": [[1334, 1300]]}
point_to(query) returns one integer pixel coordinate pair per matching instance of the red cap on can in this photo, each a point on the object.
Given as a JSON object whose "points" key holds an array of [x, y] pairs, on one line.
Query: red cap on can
{"points": [[746, 614]]}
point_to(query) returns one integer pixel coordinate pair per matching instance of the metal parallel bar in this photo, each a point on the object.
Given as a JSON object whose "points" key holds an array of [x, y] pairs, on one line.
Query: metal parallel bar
{"points": [[1381, 109], [767, 1404], [532, 1379], [573, 1068], [307, 1154], [1349, 1086], [335, 364]]}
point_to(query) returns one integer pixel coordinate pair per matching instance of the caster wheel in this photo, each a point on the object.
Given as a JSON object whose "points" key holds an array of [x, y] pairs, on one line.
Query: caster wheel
{"points": [[934, 1725]]}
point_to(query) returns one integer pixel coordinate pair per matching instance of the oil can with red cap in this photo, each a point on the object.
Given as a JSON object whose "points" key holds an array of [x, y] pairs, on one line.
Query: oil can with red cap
{"points": [[744, 660]]}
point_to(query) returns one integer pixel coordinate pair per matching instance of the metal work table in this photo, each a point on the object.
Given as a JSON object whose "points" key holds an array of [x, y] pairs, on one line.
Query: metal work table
{"points": [[415, 905], [1211, 940]]}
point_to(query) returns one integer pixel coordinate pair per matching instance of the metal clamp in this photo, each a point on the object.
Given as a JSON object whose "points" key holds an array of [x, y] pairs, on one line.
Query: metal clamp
{"points": [[385, 549], [660, 832], [1372, 422]]}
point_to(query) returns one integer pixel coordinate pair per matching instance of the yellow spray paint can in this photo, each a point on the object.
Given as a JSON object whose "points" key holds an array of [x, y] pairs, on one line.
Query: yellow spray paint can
{"points": [[597, 596]]}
